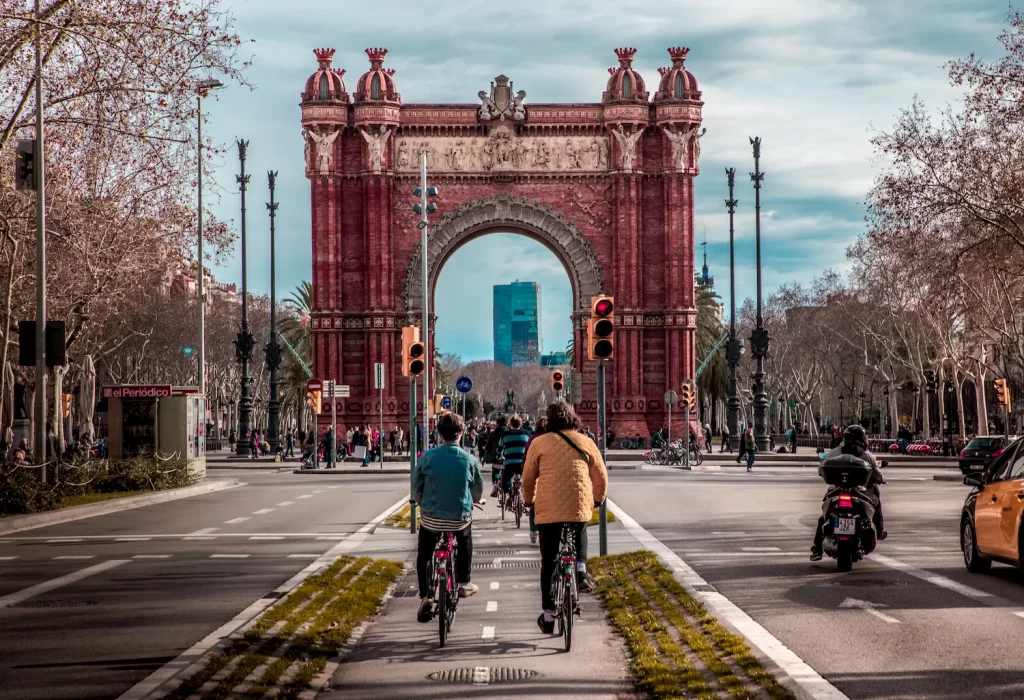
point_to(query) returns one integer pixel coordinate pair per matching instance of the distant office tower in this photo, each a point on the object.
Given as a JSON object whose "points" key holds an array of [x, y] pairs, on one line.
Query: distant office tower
{"points": [[554, 359], [517, 323]]}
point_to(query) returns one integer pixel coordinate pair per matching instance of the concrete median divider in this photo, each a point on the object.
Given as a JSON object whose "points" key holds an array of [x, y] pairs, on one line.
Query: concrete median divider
{"points": [[30, 521]]}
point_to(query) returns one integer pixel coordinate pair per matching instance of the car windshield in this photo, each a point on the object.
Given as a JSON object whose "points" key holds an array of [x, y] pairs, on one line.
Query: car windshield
{"points": [[985, 443]]}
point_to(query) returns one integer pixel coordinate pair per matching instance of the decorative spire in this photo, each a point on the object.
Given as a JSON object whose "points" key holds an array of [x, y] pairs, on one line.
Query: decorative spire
{"points": [[376, 57], [662, 71], [625, 56], [324, 57], [678, 54]]}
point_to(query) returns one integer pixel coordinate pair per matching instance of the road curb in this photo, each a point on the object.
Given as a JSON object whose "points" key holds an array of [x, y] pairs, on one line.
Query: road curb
{"points": [[955, 478], [19, 523]]}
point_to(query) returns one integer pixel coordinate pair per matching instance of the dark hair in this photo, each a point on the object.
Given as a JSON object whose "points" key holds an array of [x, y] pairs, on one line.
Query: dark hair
{"points": [[501, 421], [562, 416], [515, 422], [450, 425], [541, 426]]}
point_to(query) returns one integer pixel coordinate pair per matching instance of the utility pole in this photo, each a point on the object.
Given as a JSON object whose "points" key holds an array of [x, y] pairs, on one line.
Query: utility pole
{"points": [[732, 348], [244, 342], [759, 336], [273, 349], [39, 168], [601, 419], [203, 86]]}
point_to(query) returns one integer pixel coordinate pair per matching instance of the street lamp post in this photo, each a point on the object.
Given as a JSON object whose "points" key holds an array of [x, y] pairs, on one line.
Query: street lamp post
{"points": [[759, 336], [203, 87], [864, 415], [842, 416], [425, 207], [732, 348], [244, 342], [888, 417], [273, 349]]}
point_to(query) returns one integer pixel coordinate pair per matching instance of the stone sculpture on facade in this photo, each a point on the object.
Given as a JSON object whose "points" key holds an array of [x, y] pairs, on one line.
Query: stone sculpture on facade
{"points": [[501, 104], [680, 140], [376, 144], [627, 144], [502, 150], [323, 150]]}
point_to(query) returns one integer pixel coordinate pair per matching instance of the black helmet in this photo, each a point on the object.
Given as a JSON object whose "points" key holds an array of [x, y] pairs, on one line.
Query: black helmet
{"points": [[854, 436]]}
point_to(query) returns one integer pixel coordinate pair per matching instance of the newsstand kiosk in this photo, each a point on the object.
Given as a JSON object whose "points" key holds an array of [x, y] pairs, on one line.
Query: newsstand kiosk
{"points": [[157, 419]]}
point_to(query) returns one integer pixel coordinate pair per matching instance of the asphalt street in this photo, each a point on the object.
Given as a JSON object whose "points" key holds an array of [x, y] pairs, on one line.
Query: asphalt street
{"points": [[910, 622], [90, 608]]}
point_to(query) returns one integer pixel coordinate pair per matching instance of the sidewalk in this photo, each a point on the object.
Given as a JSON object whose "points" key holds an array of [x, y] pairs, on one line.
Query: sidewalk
{"points": [[495, 649]]}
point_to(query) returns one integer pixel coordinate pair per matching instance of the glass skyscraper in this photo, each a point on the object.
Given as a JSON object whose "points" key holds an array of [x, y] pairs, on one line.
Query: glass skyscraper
{"points": [[517, 323]]}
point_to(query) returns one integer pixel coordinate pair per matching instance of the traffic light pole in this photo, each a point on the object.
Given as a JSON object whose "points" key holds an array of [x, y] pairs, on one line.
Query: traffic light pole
{"points": [[334, 426], [39, 169], [603, 511], [426, 297], [686, 435], [412, 449]]}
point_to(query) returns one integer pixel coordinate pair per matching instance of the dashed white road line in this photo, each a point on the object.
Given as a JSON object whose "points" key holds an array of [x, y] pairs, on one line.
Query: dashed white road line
{"points": [[332, 538], [796, 668], [305, 496], [936, 579], [47, 586], [132, 539], [235, 521], [282, 504], [199, 538], [495, 585], [492, 606], [229, 556], [320, 491], [303, 556], [64, 540], [333, 487], [77, 556], [488, 633], [263, 511], [266, 537], [152, 556], [8, 558], [760, 549]]}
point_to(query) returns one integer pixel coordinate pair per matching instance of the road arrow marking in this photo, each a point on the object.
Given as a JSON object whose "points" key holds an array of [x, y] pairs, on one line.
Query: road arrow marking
{"points": [[869, 607]]}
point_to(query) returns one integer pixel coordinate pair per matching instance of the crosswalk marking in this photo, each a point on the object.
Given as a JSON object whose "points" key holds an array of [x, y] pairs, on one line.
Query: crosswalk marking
{"points": [[492, 606], [488, 633], [495, 585]]}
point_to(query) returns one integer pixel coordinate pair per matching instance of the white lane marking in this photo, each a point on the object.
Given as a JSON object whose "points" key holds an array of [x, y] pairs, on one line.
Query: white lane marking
{"points": [[333, 487], [198, 539], [525, 534], [235, 521], [492, 606], [77, 556], [303, 556], [7, 558], [152, 556], [282, 504], [706, 555], [481, 675], [229, 556], [332, 538], [869, 607], [792, 522], [1019, 614], [263, 511], [495, 585], [802, 674], [760, 549], [306, 496], [191, 660], [730, 533], [204, 531], [47, 586], [132, 539], [266, 537], [62, 540], [320, 491], [488, 633], [940, 581]]}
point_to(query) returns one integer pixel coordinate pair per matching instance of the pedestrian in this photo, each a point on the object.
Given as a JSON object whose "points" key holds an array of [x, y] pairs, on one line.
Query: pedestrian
{"points": [[707, 438], [792, 438], [328, 444], [290, 442], [586, 431], [725, 440], [564, 476], [393, 439], [254, 444], [749, 448]]}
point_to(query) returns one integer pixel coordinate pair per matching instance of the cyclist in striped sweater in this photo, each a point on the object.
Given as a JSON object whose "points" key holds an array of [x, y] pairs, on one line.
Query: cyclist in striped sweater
{"points": [[513, 447]]}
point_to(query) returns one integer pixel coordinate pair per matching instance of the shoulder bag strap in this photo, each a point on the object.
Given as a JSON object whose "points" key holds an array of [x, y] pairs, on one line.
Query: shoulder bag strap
{"points": [[576, 447]]}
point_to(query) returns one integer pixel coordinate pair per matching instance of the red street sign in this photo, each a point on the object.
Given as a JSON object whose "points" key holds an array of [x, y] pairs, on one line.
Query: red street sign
{"points": [[314, 385]]}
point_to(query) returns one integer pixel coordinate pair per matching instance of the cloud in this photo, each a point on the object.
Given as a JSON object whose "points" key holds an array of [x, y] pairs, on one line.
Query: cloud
{"points": [[814, 78]]}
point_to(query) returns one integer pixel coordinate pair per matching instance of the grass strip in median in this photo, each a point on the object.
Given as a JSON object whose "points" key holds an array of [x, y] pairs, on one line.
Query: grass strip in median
{"points": [[677, 649], [400, 518], [287, 646]]}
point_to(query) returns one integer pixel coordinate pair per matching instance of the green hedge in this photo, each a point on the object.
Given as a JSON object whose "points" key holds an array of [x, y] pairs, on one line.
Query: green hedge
{"points": [[21, 490]]}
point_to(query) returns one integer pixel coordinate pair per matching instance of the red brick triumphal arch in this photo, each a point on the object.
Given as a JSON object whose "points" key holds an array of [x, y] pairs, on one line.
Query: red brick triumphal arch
{"points": [[607, 187]]}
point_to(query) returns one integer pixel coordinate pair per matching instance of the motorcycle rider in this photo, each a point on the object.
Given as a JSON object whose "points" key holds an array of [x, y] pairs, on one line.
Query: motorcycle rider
{"points": [[855, 442]]}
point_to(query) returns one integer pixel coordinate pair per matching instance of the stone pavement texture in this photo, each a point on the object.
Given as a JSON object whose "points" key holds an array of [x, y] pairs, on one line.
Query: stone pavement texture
{"points": [[495, 630]]}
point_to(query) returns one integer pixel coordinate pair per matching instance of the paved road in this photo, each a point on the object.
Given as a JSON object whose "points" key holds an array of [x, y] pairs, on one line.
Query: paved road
{"points": [[155, 580], [937, 631]]}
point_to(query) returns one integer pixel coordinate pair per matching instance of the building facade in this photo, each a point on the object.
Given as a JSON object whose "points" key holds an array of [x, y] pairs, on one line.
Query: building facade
{"points": [[517, 338], [555, 359], [607, 186]]}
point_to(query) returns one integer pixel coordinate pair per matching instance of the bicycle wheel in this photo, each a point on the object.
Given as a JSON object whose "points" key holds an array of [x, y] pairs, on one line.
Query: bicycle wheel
{"points": [[568, 608], [518, 506], [501, 500], [556, 595], [442, 609], [698, 457]]}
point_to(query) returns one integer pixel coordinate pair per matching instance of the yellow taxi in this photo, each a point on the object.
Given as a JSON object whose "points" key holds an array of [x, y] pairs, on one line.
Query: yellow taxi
{"points": [[990, 522]]}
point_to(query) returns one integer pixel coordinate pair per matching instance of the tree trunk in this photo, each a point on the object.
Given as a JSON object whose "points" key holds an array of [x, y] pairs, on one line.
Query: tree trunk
{"points": [[979, 395]]}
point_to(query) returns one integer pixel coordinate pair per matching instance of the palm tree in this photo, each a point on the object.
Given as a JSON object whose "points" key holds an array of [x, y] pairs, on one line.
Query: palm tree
{"points": [[295, 330], [714, 380]]}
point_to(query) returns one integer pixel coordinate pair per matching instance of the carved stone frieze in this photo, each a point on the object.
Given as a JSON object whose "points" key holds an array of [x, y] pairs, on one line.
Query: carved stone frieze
{"points": [[503, 151]]}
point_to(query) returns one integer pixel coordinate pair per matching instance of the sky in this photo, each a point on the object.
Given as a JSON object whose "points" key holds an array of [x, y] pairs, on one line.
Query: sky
{"points": [[815, 79]]}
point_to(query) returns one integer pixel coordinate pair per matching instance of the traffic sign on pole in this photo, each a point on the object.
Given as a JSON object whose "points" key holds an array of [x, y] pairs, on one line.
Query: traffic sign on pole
{"points": [[446, 403], [378, 375], [314, 384], [464, 384]]}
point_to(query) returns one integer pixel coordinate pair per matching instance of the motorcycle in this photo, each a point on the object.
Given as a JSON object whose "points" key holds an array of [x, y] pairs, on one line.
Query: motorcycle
{"points": [[849, 510]]}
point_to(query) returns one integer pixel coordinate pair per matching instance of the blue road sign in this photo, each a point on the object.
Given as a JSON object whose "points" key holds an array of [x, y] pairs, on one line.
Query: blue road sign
{"points": [[464, 384], [446, 403], [188, 350]]}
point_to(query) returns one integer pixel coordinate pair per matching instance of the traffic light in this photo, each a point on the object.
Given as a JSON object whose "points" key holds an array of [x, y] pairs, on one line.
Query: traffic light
{"points": [[413, 352], [1002, 393], [314, 401], [557, 381], [688, 395], [418, 206], [601, 328], [25, 165]]}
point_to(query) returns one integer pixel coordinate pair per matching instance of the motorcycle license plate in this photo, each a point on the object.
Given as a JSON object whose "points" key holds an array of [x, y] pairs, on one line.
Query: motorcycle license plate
{"points": [[845, 526]]}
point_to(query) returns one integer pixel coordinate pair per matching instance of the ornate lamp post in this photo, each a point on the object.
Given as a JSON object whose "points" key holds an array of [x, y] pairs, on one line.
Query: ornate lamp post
{"points": [[888, 418], [863, 413], [244, 342], [273, 349], [842, 416], [733, 347], [759, 336]]}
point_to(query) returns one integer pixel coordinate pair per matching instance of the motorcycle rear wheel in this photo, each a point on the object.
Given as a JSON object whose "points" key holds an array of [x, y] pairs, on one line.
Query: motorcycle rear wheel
{"points": [[844, 561]]}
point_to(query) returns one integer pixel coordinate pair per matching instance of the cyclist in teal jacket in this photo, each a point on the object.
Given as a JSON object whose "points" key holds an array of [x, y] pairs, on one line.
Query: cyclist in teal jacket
{"points": [[445, 484]]}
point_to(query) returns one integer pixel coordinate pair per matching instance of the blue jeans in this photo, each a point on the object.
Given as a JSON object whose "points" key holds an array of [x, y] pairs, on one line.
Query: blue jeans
{"points": [[750, 459]]}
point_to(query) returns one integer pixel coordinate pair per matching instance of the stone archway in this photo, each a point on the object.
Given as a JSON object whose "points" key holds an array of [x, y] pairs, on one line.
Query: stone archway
{"points": [[506, 212]]}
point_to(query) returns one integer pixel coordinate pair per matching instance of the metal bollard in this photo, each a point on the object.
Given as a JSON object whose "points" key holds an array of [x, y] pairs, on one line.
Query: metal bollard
{"points": [[412, 517]]}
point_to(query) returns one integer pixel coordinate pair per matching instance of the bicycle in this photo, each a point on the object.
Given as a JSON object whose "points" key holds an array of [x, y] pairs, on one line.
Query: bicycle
{"points": [[563, 587], [696, 457], [443, 583], [514, 500]]}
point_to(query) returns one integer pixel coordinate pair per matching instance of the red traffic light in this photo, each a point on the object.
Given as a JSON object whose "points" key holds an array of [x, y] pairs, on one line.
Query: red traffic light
{"points": [[604, 307]]}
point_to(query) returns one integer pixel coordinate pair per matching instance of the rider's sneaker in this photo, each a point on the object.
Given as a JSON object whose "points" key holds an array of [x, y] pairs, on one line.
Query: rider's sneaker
{"points": [[494, 491], [882, 535], [468, 589], [426, 611], [533, 538], [583, 583], [815, 554], [547, 627]]}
